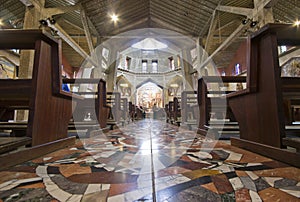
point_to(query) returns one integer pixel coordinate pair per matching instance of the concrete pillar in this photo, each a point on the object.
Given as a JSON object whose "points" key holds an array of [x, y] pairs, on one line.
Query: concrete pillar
{"points": [[112, 73], [187, 67]]}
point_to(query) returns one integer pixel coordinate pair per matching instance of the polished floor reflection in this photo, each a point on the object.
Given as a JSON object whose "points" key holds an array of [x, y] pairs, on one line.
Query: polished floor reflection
{"points": [[150, 160]]}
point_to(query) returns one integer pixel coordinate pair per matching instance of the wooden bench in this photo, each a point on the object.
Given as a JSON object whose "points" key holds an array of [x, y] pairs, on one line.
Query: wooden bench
{"points": [[177, 111], [50, 108], [92, 111], [189, 109], [215, 113], [124, 111], [259, 108], [114, 101]]}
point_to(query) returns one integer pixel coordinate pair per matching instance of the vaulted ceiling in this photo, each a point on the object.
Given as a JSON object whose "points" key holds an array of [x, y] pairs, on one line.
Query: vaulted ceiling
{"points": [[218, 27]]}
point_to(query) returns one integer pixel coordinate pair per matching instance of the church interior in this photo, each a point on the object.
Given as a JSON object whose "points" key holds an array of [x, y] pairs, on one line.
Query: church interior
{"points": [[148, 100]]}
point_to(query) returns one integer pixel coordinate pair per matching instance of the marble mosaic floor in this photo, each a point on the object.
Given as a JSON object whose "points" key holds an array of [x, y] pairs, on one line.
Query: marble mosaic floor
{"points": [[150, 160]]}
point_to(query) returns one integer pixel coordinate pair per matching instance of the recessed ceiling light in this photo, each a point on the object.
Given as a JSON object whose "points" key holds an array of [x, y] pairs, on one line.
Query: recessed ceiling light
{"points": [[114, 18], [297, 23]]}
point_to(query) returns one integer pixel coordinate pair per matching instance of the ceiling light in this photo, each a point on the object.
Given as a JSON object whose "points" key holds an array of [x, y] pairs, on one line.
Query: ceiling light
{"points": [[245, 21], [1, 22], [114, 18], [44, 22], [297, 23], [253, 23]]}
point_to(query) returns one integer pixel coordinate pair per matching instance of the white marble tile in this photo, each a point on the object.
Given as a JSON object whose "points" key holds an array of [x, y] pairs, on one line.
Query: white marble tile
{"points": [[236, 183], [109, 168], [101, 165], [254, 164], [93, 188], [252, 175], [9, 186], [62, 161], [59, 194], [51, 188], [41, 171], [271, 180], [105, 187], [117, 198], [254, 196], [234, 157], [133, 195], [7, 183], [224, 168], [47, 181], [47, 158], [75, 198], [295, 193], [202, 155]]}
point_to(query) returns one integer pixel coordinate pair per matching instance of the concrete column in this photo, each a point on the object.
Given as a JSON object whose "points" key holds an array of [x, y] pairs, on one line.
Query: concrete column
{"points": [[112, 73], [187, 67]]}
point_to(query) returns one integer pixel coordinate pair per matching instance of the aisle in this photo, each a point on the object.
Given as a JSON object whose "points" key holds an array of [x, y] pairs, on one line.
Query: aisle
{"points": [[150, 160]]}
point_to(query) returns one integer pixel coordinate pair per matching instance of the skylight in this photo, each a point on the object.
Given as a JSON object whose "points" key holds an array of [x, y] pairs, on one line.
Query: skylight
{"points": [[149, 44]]}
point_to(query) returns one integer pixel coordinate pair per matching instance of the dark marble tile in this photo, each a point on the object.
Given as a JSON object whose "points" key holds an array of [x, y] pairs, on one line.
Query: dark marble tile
{"points": [[261, 184], [189, 165], [148, 198], [222, 184], [69, 186], [229, 197], [220, 154], [195, 194], [285, 183], [230, 175], [170, 191], [248, 183], [253, 168], [53, 170], [26, 195]]}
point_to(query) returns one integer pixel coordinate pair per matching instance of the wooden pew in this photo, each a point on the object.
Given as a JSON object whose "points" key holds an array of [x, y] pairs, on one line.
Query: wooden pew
{"points": [[131, 108], [170, 112], [189, 109], [92, 112], [174, 111], [259, 108], [50, 108], [114, 101], [167, 113], [215, 113], [124, 111]]}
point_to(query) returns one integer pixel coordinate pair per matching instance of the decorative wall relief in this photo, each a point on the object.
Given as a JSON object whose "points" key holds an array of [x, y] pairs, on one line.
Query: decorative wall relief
{"points": [[291, 68]]}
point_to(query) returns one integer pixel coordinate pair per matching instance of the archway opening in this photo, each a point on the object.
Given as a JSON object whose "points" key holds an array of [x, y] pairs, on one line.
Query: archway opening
{"points": [[149, 96]]}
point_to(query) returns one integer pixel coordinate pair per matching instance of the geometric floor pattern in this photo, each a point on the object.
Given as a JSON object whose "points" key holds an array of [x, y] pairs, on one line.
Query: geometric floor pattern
{"points": [[150, 160]]}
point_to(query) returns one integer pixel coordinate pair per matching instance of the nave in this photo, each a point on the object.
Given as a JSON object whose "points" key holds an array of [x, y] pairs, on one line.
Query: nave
{"points": [[150, 160]]}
